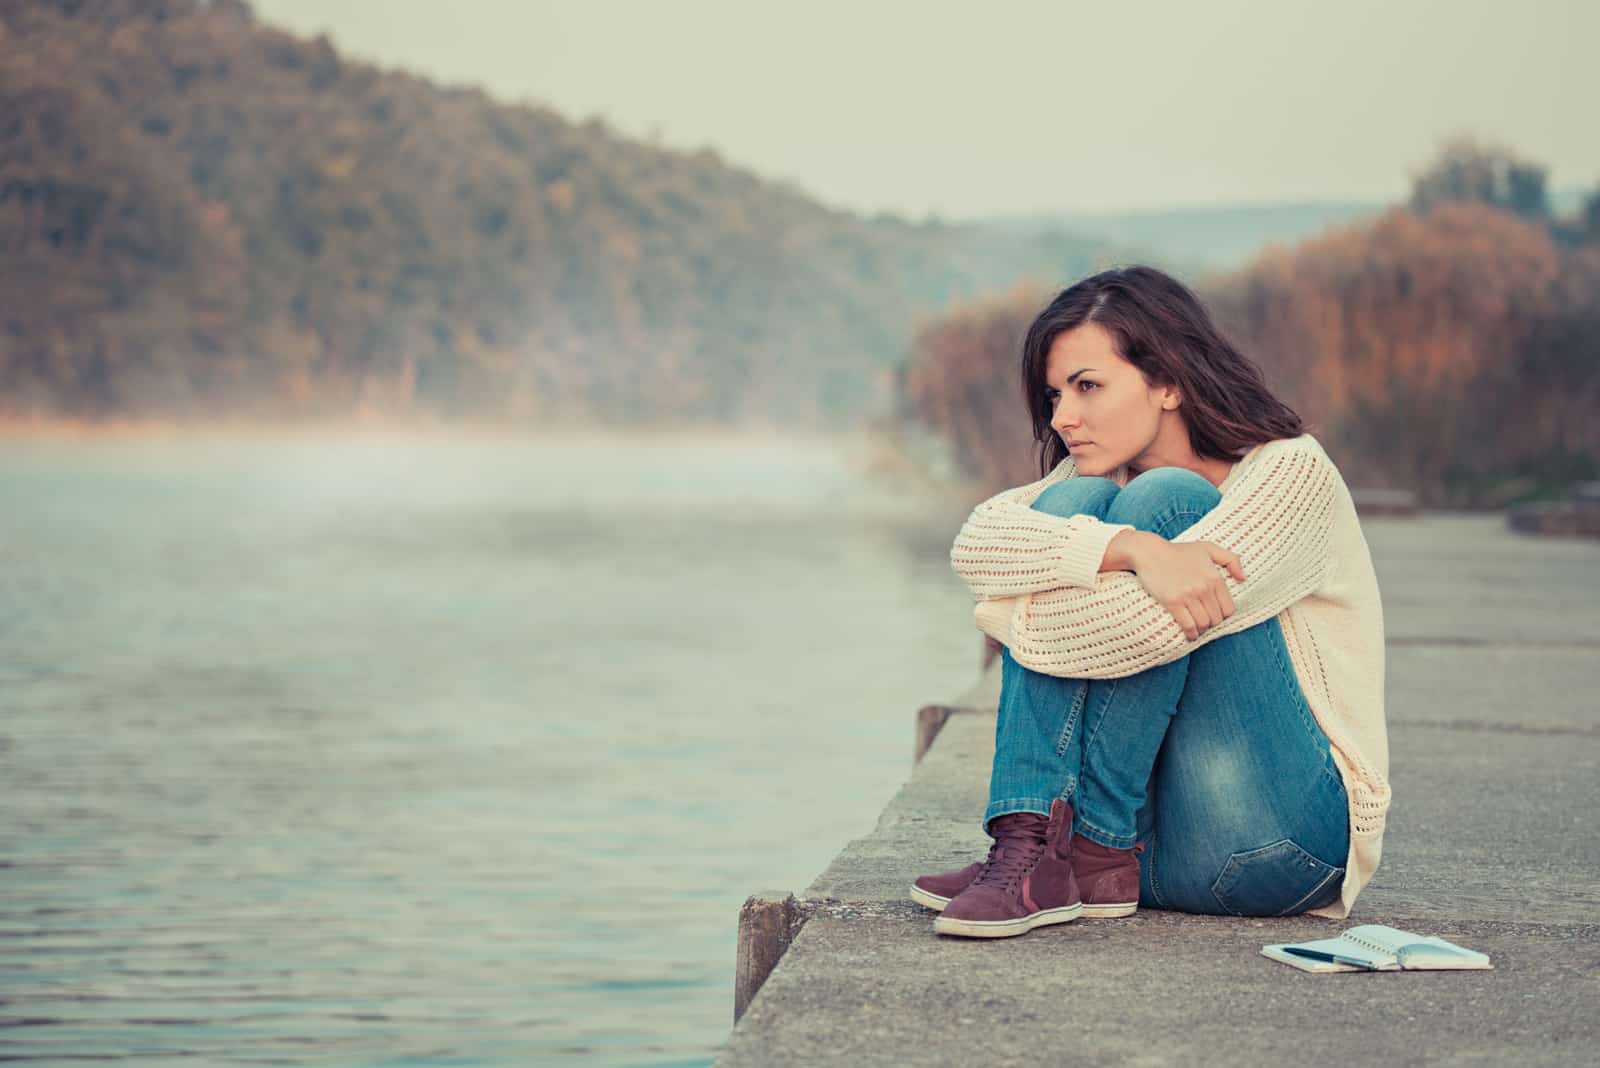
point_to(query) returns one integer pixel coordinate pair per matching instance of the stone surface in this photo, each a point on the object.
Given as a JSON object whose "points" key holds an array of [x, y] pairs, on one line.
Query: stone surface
{"points": [[1374, 502], [869, 987], [1493, 698]]}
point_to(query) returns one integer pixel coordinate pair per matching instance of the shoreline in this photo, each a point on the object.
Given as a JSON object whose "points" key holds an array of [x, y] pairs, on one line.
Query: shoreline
{"points": [[93, 430]]}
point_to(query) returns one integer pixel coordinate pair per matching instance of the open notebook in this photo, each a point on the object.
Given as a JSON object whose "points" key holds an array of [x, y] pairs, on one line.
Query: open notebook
{"points": [[1374, 947]]}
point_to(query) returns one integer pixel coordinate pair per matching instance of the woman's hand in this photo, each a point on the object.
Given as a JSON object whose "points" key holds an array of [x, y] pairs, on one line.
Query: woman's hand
{"points": [[1183, 576]]}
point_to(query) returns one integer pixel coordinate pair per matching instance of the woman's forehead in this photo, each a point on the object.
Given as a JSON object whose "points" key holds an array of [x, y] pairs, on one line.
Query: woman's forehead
{"points": [[1089, 345]]}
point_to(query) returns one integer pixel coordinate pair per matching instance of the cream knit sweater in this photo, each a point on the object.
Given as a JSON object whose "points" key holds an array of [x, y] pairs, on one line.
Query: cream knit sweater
{"points": [[1286, 511]]}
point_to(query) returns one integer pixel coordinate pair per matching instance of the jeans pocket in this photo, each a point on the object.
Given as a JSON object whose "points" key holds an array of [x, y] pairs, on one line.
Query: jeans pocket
{"points": [[1275, 880]]}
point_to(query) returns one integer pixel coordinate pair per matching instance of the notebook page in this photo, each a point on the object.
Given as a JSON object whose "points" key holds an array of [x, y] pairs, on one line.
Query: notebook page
{"points": [[1380, 938], [1376, 939], [1347, 947], [1419, 952], [1428, 954], [1305, 964]]}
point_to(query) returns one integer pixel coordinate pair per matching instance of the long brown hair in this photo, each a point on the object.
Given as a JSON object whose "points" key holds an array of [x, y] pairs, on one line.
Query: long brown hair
{"points": [[1160, 327]]}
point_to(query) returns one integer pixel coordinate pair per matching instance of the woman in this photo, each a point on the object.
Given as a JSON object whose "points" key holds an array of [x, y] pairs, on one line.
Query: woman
{"points": [[1191, 704]]}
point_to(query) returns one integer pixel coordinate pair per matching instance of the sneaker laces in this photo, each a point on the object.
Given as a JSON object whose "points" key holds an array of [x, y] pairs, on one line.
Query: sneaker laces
{"points": [[1017, 846]]}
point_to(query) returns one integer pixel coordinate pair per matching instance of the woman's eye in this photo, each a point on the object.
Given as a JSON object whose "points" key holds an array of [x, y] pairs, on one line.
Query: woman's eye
{"points": [[1086, 382]]}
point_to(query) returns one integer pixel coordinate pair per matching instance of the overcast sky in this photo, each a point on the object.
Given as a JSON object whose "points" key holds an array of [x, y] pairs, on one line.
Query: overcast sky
{"points": [[968, 109]]}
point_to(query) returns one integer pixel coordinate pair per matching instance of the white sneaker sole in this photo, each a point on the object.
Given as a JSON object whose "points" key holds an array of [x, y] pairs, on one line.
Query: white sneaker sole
{"points": [[1108, 911], [1006, 928]]}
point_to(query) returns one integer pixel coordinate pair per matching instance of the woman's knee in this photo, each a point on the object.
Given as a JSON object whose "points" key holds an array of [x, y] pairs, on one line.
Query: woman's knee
{"points": [[1166, 500], [1084, 495]]}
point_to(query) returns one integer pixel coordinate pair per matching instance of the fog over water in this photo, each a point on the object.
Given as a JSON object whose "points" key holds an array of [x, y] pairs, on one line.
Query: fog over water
{"points": [[453, 749]]}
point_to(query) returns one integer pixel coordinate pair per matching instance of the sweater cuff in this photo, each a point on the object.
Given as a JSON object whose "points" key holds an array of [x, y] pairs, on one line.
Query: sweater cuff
{"points": [[994, 617], [1084, 552]]}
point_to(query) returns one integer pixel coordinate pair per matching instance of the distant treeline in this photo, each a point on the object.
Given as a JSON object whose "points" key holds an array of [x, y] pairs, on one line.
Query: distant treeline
{"points": [[1450, 347], [202, 215]]}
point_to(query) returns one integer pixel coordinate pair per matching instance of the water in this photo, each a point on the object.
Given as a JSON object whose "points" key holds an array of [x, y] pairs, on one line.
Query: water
{"points": [[388, 751]]}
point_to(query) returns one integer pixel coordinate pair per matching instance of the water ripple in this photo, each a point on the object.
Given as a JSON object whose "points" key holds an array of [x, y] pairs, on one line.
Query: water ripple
{"points": [[354, 756]]}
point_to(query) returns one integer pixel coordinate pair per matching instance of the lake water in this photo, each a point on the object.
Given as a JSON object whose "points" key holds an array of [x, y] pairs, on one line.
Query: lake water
{"points": [[377, 750]]}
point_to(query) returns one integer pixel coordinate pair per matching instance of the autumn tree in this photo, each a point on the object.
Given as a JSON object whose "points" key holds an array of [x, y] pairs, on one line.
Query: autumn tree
{"points": [[1470, 170], [1454, 352]]}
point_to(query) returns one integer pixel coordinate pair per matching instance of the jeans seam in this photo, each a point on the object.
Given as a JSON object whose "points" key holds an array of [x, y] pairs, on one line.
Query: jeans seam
{"points": [[1150, 859], [1032, 804], [1181, 513], [1314, 890], [1118, 838], [1079, 699], [1294, 844], [1111, 692], [1308, 717]]}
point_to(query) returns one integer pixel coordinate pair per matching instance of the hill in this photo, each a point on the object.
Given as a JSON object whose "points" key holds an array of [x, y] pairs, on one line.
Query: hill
{"points": [[1197, 239], [1226, 236], [203, 215]]}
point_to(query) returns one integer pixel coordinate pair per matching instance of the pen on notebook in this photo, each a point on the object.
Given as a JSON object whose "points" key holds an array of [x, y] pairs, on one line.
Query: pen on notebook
{"points": [[1317, 954]]}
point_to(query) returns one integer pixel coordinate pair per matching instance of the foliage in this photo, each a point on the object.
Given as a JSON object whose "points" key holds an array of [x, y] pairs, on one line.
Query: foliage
{"points": [[200, 213], [1455, 352], [1466, 169]]}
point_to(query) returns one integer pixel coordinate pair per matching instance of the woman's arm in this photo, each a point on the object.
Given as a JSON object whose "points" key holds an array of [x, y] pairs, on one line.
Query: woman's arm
{"points": [[1276, 518], [1124, 547], [1007, 547]]}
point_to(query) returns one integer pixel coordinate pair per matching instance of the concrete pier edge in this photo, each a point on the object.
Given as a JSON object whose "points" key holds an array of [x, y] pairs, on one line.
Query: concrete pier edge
{"points": [[1493, 666]]}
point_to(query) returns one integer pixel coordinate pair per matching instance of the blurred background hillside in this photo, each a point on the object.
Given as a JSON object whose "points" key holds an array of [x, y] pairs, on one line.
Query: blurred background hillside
{"points": [[205, 217], [201, 214]]}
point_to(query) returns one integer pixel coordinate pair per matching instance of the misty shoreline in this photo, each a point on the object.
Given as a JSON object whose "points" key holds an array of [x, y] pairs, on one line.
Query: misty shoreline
{"points": [[62, 429]]}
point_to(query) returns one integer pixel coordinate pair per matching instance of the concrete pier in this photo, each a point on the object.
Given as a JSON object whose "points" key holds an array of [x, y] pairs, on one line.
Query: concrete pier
{"points": [[1493, 841]]}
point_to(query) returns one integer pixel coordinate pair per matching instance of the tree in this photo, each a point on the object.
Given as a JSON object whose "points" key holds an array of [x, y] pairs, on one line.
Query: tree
{"points": [[1466, 169], [1589, 216]]}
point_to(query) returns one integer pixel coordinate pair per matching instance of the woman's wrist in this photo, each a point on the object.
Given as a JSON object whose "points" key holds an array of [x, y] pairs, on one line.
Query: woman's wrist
{"points": [[1125, 549]]}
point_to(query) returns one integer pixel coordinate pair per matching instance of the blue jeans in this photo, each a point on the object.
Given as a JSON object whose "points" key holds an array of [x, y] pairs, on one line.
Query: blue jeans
{"points": [[1214, 761]]}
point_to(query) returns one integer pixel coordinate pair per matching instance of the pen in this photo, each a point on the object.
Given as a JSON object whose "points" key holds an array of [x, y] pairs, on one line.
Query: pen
{"points": [[1317, 954]]}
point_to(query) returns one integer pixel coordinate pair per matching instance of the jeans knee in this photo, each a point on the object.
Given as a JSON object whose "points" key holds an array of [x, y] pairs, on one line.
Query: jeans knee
{"points": [[1166, 500], [1084, 495]]}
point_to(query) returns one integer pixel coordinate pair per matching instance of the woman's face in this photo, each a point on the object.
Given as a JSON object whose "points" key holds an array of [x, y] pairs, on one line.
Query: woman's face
{"points": [[1103, 409]]}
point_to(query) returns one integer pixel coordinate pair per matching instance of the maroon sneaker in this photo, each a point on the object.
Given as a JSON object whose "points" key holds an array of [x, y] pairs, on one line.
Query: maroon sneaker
{"points": [[1108, 878], [1028, 882], [935, 891]]}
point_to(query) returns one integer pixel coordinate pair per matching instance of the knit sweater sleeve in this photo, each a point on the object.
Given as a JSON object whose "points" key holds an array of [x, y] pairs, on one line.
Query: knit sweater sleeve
{"points": [[1276, 517], [1007, 547]]}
